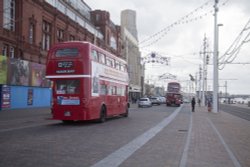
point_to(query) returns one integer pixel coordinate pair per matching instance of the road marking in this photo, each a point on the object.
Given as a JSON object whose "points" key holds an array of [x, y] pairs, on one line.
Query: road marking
{"points": [[119, 156], [185, 152], [230, 153], [23, 127]]}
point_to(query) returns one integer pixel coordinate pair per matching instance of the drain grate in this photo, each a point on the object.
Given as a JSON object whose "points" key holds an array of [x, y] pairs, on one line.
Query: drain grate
{"points": [[182, 130]]}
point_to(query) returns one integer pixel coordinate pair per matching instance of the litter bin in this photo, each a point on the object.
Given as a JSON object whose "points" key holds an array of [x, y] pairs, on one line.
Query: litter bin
{"points": [[209, 106]]}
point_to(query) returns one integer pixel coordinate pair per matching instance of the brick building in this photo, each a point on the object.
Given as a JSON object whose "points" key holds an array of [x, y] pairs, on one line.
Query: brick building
{"points": [[30, 27], [111, 32]]}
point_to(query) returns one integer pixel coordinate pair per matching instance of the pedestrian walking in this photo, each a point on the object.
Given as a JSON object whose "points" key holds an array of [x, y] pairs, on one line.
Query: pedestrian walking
{"points": [[193, 104], [199, 102]]}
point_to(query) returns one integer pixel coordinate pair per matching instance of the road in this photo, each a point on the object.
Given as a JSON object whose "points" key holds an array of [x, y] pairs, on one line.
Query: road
{"points": [[242, 112], [31, 139], [157, 136]]}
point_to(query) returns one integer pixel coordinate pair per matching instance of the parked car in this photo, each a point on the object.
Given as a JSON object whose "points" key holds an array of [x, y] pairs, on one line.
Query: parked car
{"points": [[185, 100], [155, 100], [163, 100], [144, 102]]}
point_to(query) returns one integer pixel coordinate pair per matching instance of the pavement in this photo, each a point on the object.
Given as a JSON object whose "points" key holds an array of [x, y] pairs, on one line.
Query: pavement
{"points": [[218, 139], [212, 140]]}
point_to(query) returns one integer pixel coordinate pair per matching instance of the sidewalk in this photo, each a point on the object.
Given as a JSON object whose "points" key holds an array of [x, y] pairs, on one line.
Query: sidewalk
{"points": [[218, 140]]}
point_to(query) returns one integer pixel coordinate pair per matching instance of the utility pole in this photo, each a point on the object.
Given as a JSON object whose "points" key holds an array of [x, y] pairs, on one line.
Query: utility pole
{"points": [[204, 76], [215, 62], [226, 89], [200, 77]]}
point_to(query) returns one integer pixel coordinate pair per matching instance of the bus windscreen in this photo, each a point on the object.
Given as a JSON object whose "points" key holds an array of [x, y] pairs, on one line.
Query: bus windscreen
{"points": [[67, 86]]}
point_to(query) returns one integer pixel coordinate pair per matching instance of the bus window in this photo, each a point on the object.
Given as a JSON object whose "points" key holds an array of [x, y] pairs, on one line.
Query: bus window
{"points": [[119, 91], [123, 67], [67, 52], [94, 55], [103, 90], [101, 58], [112, 90], [112, 62], [123, 91], [117, 65], [67, 86], [108, 62]]}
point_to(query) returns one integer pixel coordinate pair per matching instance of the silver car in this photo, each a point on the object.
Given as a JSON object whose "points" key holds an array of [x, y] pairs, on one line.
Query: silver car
{"points": [[155, 100], [144, 102]]}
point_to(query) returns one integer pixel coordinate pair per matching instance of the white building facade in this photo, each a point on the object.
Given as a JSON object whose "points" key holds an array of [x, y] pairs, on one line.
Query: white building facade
{"points": [[131, 53]]}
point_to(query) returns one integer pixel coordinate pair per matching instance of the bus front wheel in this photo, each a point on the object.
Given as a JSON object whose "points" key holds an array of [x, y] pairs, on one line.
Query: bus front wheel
{"points": [[102, 118]]}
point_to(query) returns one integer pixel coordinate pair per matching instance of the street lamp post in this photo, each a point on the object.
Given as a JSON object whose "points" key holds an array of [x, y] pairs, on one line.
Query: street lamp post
{"points": [[215, 62]]}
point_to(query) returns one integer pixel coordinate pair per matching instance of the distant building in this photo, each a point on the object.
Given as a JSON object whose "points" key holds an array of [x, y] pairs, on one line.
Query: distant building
{"points": [[128, 20], [132, 54]]}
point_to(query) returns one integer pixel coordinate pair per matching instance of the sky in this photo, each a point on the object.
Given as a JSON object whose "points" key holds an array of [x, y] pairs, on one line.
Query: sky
{"points": [[176, 29]]}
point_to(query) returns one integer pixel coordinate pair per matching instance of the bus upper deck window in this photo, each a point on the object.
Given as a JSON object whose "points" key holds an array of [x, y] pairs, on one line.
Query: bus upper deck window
{"points": [[67, 52], [102, 58], [94, 55]]}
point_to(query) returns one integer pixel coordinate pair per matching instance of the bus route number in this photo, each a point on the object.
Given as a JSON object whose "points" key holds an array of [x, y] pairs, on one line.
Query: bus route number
{"points": [[65, 64]]}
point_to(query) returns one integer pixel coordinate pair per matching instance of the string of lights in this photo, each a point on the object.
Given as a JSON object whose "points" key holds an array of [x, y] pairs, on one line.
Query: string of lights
{"points": [[190, 17], [175, 23], [155, 58], [190, 58], [157, 38]]}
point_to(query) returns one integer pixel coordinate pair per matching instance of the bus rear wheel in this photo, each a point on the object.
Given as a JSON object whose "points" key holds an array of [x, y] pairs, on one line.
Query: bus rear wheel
{"points": [[126, 112]]}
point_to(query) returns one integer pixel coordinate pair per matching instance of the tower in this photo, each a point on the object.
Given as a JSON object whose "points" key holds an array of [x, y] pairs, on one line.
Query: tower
{"points": [[128, 20]]}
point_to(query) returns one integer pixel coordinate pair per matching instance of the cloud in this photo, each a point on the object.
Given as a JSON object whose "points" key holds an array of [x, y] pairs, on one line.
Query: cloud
{"points": [[184, 39]]}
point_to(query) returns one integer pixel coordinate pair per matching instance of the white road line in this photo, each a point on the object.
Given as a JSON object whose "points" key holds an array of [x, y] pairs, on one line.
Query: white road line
{"points": [[230, 153], [185, 152], [119, 156]]}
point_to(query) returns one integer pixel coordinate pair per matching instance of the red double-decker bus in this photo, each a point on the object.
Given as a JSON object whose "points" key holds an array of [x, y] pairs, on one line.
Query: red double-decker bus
{"points": [[89, 83], [173, 95]]}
